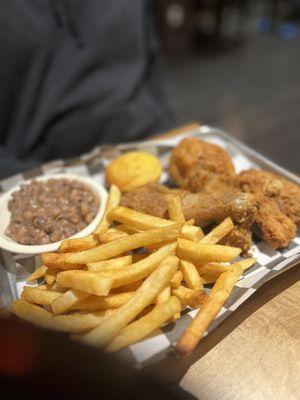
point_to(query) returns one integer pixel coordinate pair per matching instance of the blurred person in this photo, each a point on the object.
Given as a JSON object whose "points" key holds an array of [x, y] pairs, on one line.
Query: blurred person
{"points": [[41, 364], [75, 74]]}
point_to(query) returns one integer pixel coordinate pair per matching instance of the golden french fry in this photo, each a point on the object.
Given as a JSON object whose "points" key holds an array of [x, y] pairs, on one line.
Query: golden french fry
{"points": [[144, 296], [127, 229], [131, 287], [191, 275], [174, 208], [55, 287], [137, 220], [38, 296], [141, 269], [67, 323], [78, 244], [209, 310], [50, 276], [37, 274], [114, 263], [213, 268], [109, 250], [113, 201], [44, 287], [176, 280], [67, 300], [78, 322], [107, 237], [32, 313], [86, 281], [190, 297], [204, 253], [98, 303], [210, 278], [191, 232], [57, 261], [220, 231], [164, 295], [144, 326]]}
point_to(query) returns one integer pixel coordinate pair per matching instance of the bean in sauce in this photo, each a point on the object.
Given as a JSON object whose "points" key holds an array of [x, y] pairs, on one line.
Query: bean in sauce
{"points": [[44, 212]]}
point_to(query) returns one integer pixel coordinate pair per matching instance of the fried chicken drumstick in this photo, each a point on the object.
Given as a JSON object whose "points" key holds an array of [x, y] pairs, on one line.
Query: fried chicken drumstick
{"points": [[204, 208]]}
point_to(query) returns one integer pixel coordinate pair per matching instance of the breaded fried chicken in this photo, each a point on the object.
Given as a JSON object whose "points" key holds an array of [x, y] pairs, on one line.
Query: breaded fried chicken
{"points": [[278, 205], [200, 166], [284, 193]]}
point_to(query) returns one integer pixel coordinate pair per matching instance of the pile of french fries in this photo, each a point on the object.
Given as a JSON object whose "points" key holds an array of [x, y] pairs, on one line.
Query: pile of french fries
{"points": [[133, 275]]}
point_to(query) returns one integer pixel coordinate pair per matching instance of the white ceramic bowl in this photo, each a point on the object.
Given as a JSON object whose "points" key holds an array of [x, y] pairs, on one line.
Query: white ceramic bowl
{"points": [[14, 247]]}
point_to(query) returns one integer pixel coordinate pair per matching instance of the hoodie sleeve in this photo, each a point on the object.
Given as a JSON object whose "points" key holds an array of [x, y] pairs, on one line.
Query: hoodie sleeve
{"points": [[11, 165]]}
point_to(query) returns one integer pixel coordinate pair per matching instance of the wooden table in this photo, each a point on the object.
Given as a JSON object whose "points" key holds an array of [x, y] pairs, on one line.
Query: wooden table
{"points": [[258, 355]]}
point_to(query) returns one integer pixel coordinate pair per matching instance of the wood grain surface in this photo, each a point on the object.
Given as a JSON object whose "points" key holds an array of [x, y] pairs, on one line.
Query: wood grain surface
{"points": [[260, 358]]}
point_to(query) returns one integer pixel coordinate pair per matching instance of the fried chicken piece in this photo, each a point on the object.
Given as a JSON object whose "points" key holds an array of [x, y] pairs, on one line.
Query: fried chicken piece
{"points": [[204, 208], [238, 237], [284, 193], [272, 225], [201, 166], [278, 203]]}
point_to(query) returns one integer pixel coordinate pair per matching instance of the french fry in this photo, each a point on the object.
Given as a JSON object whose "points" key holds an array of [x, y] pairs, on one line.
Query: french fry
{"points": [[164, 295], [37, 274], [107, 237], [210, 278], [130, 287], [57, 261], [213, 268], [191, 275], [38, 296], [191, 232], [50, 276], [44, 287], [141, 269], [113, 201], [98, 303], [86, 281], [209, 310], [114, 263], [32, 313], [147, 292], [113, 249], [176, 280], [55, 287], [67, 323], [174, 208], [144, 326], [127, 229], [220, 231], [75, 323], [189, 297], [78, 244], [67, 300], [137, 220], [204, 253]]}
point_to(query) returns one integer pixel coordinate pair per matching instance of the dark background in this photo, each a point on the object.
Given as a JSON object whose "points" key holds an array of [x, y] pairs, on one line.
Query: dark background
{"points": [[236, 65]]}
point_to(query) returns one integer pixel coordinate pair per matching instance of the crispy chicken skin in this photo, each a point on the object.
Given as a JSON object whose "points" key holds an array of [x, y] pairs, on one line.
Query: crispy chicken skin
{"points": [[204, 208], [238, 237], [200, 166], [272, 225], [278, 205], [284, 193]]}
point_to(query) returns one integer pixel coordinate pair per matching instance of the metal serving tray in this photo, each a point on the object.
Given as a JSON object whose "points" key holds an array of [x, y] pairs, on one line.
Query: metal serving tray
{"points": [[270, 263]]}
